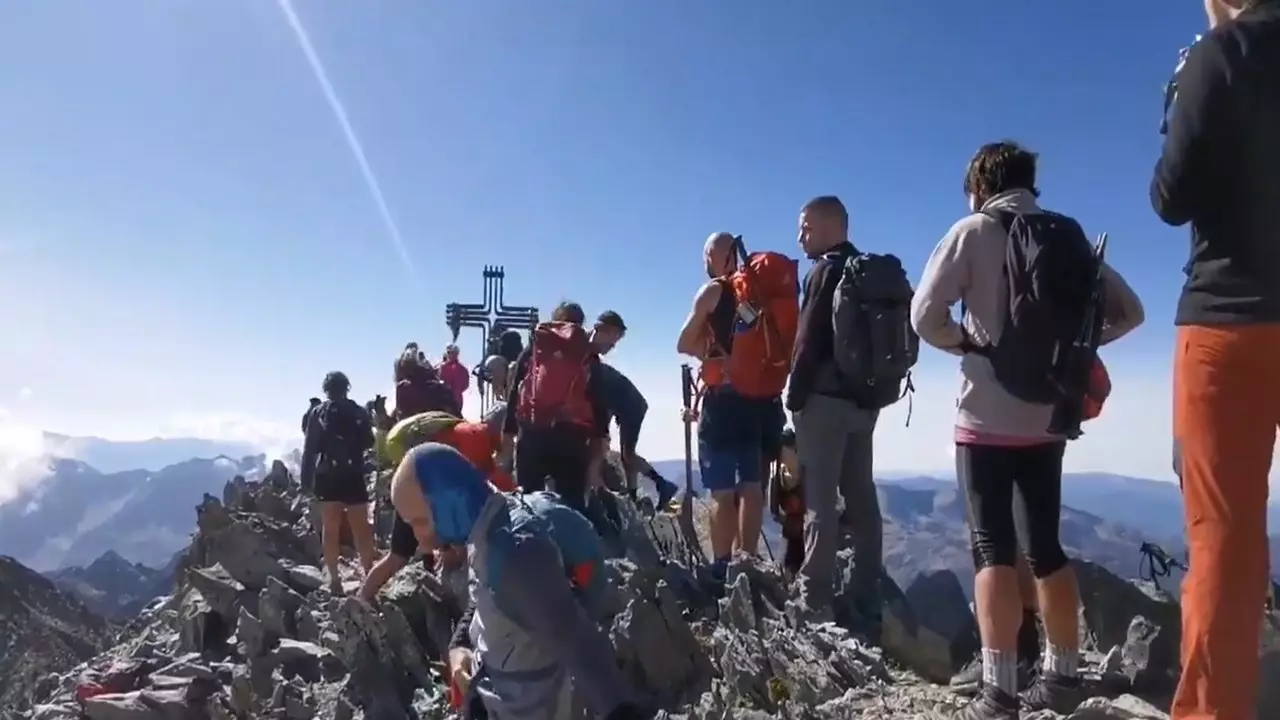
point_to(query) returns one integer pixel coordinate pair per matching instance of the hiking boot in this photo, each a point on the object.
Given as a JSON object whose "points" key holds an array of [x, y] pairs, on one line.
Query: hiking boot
{"points": [[1052, 691], [989, 704], [969, 680], [666, 491]]}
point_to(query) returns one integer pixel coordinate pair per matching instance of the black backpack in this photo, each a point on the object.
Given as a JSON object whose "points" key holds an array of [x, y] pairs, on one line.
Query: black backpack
{"points": [[345, 433], [873, 343], [1049, 338]]}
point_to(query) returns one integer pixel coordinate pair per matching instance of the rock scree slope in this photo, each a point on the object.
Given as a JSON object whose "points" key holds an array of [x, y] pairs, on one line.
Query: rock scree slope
{"points": [[251, 631]]}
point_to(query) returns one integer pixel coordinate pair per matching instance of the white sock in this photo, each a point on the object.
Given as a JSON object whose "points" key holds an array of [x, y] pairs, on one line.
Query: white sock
{"points": [[1063, 661], [1000, 670]]}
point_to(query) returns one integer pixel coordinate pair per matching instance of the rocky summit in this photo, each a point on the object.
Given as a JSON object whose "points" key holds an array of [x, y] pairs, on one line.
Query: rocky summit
{"points": [[252, 631]]}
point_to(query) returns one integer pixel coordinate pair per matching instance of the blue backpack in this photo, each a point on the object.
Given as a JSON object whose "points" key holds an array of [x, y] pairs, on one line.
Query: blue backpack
{"points": [[576, 538]]}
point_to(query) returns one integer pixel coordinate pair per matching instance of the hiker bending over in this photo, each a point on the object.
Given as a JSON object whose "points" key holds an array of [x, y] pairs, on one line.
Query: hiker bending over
{"points": [[529, 639], [454, 375], [495, 372], [338, 434], [1220, 171], [1021, 398], [477, 442], [557, 407], [628, 406], [742, 327]]}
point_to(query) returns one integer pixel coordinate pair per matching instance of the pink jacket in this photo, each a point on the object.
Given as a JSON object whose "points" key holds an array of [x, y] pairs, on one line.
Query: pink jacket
{"points": [[455, 375]]}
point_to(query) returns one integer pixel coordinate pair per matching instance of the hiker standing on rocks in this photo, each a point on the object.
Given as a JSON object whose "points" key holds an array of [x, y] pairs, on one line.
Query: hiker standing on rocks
{"points": [[1220, 171], [557, 407], [742, 327], [313, 403], [848, 365], [338, 434], [529, 641], [1010, 431], [454, 375]]}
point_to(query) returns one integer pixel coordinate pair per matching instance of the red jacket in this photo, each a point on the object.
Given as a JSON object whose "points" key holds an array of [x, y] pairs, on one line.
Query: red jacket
{"points": [[456, 376]]}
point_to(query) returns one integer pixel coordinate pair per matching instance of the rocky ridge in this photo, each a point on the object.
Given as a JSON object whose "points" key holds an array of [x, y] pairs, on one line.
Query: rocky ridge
{"points": [[251, 631]]}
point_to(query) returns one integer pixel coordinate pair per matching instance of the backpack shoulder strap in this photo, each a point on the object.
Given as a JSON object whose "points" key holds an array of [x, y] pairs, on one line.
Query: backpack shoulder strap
{"points": [[1005, 217]]}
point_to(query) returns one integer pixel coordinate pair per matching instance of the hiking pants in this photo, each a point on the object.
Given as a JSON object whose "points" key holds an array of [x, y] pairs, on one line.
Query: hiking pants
{"points": [[1226, 405], [1013, 496], [561, 453], [834, 445]]}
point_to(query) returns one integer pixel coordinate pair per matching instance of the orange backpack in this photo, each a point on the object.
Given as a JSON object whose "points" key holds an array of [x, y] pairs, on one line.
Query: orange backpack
{"points": [[766, 293]]}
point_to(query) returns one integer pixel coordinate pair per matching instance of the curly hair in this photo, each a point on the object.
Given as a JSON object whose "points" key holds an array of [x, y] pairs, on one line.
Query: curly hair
{"points": [[1000, 167]]}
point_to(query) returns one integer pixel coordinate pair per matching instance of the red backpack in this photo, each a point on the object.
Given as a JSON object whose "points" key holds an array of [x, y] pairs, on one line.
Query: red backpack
{"points": [[554, 388]]}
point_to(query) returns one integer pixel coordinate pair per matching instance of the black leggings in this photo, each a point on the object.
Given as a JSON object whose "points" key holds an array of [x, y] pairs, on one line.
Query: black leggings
{"points": [[988, 476]]}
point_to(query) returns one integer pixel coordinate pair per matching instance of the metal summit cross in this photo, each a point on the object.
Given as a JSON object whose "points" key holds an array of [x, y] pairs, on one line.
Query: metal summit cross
{"points": [[493, 316]]}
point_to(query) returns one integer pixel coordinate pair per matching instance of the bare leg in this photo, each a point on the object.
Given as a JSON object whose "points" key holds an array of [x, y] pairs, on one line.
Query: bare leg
{"points": [[362, 535], [331, 538]]}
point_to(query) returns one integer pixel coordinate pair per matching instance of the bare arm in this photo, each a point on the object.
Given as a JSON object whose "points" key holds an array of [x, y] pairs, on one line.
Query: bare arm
{"points": [[692, 340]]}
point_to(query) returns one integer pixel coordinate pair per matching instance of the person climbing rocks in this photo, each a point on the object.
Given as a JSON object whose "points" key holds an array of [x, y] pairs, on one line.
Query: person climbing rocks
{"points": [[1009, 435], [742, 328], [786, 501], [419, 388], [454, 375], [306, 416], [1219, 170], [558, 409], [477, 442], [628, 406], [337, 437], [529, 641]]}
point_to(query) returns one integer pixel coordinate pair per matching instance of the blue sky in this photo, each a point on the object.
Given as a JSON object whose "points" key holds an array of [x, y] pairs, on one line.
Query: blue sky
{"points": [[187, 242]]}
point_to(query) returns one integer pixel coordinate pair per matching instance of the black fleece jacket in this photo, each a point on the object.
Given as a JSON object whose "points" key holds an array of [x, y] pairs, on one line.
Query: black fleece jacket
{"points": [[1220, 171], [812, 360]]}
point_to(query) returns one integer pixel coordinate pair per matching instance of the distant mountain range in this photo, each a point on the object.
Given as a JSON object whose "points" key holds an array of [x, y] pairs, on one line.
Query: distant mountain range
{"points": [[113, 456], [145, 516], [114, 587], [141, 517]]}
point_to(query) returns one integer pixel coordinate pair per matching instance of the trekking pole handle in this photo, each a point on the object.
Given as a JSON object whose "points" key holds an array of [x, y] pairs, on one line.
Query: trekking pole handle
{"points": [[686, 385]]}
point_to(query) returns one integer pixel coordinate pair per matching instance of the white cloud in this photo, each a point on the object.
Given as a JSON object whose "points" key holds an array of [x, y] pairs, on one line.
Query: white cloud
{"points": [[24, 456], [24, 393]]}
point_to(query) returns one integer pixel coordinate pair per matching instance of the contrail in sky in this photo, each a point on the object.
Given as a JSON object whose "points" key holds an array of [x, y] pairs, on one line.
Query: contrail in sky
{"points": [[353, 142]]}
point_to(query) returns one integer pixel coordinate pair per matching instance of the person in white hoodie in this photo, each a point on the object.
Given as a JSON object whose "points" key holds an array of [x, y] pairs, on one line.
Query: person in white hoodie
{"points": [[1005, 431]]}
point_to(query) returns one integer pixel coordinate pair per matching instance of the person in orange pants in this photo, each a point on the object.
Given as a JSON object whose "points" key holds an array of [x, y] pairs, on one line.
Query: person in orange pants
{"points": [[1219, 170], [1226, 407]]}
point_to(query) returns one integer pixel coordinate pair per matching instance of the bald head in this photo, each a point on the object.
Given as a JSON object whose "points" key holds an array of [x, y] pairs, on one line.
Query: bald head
{"points": [[411, 503], [824, 223], [720, 254]]}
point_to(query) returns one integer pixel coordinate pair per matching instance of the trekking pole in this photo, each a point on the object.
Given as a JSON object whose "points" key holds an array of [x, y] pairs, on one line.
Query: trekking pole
{"points": [[686, 506], [767, 546]]}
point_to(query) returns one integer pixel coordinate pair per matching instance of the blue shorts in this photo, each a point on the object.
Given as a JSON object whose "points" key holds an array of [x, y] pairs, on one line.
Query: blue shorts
{"points": [[735, 434]]}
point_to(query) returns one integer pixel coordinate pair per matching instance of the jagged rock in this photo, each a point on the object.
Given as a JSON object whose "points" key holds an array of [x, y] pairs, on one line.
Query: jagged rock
{"points": [[696, 650], [278, 606], [201, 627], [142, 705], [1125, 707], [1139, 618], [940, 605]]}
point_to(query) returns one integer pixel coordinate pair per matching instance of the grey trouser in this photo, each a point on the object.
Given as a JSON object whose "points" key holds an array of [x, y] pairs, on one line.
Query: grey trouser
{"points": [[834, 444]]}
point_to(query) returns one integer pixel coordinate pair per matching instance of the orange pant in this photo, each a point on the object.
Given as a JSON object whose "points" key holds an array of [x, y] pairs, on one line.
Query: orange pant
{"points": [[1226, 406]]}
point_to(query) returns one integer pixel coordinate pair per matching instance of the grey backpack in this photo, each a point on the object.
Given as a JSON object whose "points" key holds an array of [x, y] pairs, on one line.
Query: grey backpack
{"points": [[874, 345]]}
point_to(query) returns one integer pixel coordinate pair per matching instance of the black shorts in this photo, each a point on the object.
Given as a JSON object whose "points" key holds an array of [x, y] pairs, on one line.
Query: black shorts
{"points": [[342, 486], [404, 544]]}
